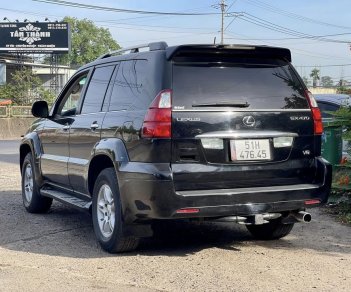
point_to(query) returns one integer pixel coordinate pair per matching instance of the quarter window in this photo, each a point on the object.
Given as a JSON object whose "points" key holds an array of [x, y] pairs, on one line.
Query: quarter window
{"points": [[130, 90]]}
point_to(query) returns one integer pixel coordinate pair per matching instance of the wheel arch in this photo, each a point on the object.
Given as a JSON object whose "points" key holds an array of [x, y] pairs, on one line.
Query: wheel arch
{"points": [[31, 144], [24, 150], [97, 164], [107, 153]]}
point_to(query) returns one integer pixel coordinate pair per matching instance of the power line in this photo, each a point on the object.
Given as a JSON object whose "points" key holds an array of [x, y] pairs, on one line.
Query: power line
{"points": [[125, 26], [269, 25], [294, 38], [231, 5], [123, 19], [111, 9], [243, 16], [298, 51], [113, 22], [333, 65], [29, 13], [280, 28], [280, 11], [272, 26]]}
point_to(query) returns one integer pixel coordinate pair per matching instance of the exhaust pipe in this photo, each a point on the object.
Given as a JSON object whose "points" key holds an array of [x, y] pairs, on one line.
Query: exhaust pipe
{"points": [[235, 219], [302, 216], [257, 219]]}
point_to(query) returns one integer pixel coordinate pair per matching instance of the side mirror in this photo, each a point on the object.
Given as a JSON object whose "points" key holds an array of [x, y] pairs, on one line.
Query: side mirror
{"points": [[40, 109]]}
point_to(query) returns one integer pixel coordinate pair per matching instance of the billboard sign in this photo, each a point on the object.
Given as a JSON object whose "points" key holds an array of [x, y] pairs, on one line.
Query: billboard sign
{"points": [[36, 37]]}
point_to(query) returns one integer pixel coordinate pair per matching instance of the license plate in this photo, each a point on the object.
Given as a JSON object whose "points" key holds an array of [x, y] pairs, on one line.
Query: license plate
{"points": [[257, 149]]}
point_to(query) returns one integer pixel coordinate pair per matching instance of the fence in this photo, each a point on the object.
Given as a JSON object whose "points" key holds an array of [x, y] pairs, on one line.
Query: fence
{"points": [[15, 111]]}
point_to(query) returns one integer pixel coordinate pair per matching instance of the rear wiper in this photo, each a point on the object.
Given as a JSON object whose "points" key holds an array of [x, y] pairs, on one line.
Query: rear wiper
{"points": [[222, 104]]}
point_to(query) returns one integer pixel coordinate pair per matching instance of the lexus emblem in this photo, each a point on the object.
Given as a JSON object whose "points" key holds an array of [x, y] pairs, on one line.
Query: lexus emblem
{"points": [[249, 121]]}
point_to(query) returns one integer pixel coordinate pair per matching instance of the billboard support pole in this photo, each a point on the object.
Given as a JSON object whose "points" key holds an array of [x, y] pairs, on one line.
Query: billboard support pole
{"points": [[20, 60], [54, 77]]}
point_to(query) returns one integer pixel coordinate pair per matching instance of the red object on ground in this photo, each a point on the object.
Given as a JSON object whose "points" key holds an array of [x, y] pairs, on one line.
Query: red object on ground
{"points": [[5, 102]]}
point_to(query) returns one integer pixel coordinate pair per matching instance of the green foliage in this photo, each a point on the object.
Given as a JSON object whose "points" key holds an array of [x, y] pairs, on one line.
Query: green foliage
{"points": [[327, 81], [25, 88], [342, 88], [315, 76], [46, 95], [342, 118], [5, 91], [87, 42]]}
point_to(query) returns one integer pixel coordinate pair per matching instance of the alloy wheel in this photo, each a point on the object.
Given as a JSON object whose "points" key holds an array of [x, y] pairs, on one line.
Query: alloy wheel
{"points": [[28, 183], [106, 211]]}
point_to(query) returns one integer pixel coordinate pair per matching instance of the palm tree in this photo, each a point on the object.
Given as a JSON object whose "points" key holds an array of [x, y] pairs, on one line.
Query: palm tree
{"points": [[315, 76]]}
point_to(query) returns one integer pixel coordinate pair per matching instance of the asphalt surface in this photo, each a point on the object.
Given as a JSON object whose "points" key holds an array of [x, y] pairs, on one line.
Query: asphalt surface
{"points": [[58, 251], [9, 151]]}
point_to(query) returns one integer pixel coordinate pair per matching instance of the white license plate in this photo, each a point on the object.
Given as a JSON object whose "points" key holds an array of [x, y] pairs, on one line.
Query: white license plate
{"points": [[257, 149]]}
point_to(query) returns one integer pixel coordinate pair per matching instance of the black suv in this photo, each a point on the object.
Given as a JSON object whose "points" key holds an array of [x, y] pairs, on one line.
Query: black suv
{"points": [[200, 132]]}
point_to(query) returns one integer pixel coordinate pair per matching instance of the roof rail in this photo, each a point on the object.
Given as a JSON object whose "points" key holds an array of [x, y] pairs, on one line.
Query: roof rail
{"points": [[135, 49]]}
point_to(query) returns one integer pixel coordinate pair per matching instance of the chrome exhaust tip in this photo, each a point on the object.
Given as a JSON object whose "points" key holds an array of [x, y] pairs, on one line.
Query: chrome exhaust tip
{"points": [[302, 216]]}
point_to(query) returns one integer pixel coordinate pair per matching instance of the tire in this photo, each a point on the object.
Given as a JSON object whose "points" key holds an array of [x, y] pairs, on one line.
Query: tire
{"points": [[107, 214], [275, 229], [33, 201]]}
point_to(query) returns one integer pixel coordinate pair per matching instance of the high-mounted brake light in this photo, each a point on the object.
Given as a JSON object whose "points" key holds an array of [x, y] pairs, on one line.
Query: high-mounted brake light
{"points": [[158, 118], [316, 113]]}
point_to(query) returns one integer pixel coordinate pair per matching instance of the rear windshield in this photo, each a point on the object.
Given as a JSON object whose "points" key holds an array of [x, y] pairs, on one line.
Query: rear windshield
{"points": [[251, 84]]}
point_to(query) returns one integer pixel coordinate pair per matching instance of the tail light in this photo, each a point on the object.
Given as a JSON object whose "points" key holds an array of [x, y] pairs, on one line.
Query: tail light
{"points": [[158, 119], [316, 113]]}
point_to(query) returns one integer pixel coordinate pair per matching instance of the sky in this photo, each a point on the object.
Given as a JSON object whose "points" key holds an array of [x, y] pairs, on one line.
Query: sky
{"points": [[243, 23]]}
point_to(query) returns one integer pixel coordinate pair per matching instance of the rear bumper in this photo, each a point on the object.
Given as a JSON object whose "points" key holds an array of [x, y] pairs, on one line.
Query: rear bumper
{"points": [[147, 192]]}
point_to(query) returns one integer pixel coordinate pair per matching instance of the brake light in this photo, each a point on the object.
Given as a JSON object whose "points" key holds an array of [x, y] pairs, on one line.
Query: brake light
{"points": [[316, 113], [188, 211], [158, 119]]}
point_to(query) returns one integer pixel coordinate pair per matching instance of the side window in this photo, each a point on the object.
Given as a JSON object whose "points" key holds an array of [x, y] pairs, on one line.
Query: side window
{"points": [[130, 87], [96, 91], [68, 105]]}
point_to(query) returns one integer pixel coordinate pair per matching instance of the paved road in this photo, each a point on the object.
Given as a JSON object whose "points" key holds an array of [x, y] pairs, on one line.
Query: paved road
{"points": [[58, 251], [9, 151]]}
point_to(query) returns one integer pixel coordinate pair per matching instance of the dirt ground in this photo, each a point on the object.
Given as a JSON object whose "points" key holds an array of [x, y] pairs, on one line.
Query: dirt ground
{"points": [[57, 251]]}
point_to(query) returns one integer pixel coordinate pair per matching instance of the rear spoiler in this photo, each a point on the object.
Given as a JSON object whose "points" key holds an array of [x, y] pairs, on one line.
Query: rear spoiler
{"points": [[228, 51]]}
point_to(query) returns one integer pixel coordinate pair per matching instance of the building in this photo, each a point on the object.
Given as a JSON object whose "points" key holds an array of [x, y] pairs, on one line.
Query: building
{"points": [[11, 63]]}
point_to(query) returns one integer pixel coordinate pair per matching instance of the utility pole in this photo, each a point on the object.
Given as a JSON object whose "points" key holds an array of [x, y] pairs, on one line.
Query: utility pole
{"points": [[223, 7]]}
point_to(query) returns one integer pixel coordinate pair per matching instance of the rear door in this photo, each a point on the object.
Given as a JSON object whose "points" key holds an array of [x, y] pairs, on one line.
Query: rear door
{"points": [[240, 122]]}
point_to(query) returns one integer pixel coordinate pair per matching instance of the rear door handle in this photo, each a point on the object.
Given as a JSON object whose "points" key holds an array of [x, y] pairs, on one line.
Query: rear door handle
{"points": [[94, 126]]}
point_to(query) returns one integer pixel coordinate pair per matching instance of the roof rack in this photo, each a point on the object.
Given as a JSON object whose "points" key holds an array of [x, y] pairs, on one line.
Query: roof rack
{"points": [[135, 49]]}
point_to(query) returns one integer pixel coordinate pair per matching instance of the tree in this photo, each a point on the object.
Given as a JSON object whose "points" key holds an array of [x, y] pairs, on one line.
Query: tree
{"points": [[87, 42], [327, 81], [315, 76], [24, 88]]}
